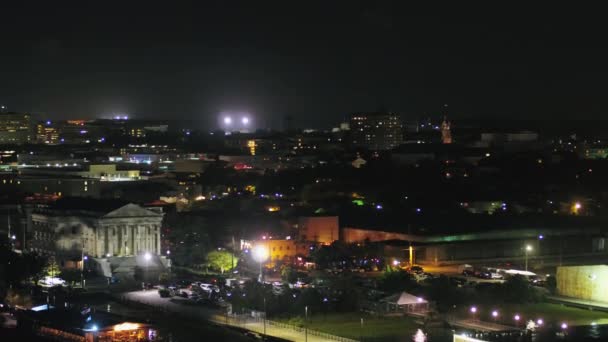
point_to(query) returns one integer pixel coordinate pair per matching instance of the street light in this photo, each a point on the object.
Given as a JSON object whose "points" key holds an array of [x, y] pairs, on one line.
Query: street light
{"points": [[495, 315], [473, 311], [260, 254], [516, 318], [564, 326], [306, 323], [147, 258], [527, 249]]}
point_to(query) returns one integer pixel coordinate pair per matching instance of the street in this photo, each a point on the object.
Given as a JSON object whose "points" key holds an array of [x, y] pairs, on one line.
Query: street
{"points": [[182, 306]]}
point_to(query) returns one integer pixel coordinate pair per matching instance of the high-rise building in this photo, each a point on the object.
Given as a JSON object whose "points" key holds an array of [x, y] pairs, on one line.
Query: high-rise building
{"points": [[15, 128], [376, 131]]}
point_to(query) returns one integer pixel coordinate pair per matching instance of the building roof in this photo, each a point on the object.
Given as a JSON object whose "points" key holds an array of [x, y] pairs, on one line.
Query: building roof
{"points": [[404, 298]]}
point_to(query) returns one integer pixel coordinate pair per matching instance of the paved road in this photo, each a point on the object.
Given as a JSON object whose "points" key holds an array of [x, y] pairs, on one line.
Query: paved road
{"points": [[184, 307]]}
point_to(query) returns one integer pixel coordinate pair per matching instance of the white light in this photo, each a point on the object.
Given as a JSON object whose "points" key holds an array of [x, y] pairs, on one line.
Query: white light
{"points": [[94, 327], [108, 255], [260, 253], [539, 321], [564, 326], [148, 256], [473, 309], [528, 248], [245, 120], [494, 313], [395, 262], [168, 252], [227, 120], [516, 317]]}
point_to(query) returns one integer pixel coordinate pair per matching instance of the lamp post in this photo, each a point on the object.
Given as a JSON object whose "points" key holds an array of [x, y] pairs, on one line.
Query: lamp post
{"points": [[306, 323], [147, 258], [260, 254], [264, 314], [527, 249], [361, 336]]}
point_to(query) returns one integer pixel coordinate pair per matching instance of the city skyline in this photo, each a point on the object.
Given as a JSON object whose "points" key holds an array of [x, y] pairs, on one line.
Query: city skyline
{"points": [[195, 63]]}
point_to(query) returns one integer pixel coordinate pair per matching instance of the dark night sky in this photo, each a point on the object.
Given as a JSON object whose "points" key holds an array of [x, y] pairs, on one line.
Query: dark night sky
{"points": [[314, 61]]}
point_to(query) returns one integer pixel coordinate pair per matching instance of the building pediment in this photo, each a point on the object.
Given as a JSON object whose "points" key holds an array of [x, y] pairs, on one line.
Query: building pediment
{"points": [[131, 210]]}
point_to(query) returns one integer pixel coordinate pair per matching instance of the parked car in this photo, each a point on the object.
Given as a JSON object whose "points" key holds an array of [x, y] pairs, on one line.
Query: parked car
{"points": [[416, 269], [484, 275], [468, 273]]}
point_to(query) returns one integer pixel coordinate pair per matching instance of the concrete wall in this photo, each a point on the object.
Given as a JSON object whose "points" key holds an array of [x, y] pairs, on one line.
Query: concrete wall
{"points": [[583, 282]]}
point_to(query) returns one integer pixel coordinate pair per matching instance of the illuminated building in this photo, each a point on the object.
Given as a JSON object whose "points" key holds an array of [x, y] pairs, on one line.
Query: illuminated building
{"points": [[376, 131], [15, 128], [279, 250], [71, 226], [251, 145], [47, 134], [319, 229], [583, 282]]}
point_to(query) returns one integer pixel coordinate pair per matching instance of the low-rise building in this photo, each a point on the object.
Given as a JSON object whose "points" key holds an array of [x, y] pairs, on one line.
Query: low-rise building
{"points": [[71, 227]]}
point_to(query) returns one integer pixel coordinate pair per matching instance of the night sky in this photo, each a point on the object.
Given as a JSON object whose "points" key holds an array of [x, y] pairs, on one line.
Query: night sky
{"points": [[317, 61]]}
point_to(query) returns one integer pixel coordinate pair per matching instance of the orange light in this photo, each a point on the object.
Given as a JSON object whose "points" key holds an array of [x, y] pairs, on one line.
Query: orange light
{"points": [[126, 326]]}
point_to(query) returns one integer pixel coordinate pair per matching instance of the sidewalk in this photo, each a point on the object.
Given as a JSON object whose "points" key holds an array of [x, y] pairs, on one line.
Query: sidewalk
{"points": [[482, 326], [580, 303]]}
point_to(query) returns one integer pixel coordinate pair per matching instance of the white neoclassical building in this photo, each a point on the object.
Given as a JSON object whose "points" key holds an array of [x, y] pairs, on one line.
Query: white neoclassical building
{"points": [[71, 228]]}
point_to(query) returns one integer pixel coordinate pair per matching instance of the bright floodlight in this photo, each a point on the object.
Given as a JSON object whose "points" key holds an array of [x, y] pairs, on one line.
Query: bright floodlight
{"points": [[227, 120], [528, 247], [260, 253], [148, 256], [245, 120]]}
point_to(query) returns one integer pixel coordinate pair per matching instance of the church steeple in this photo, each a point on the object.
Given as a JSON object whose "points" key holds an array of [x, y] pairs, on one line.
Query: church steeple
{"points": [[446, 134]]}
